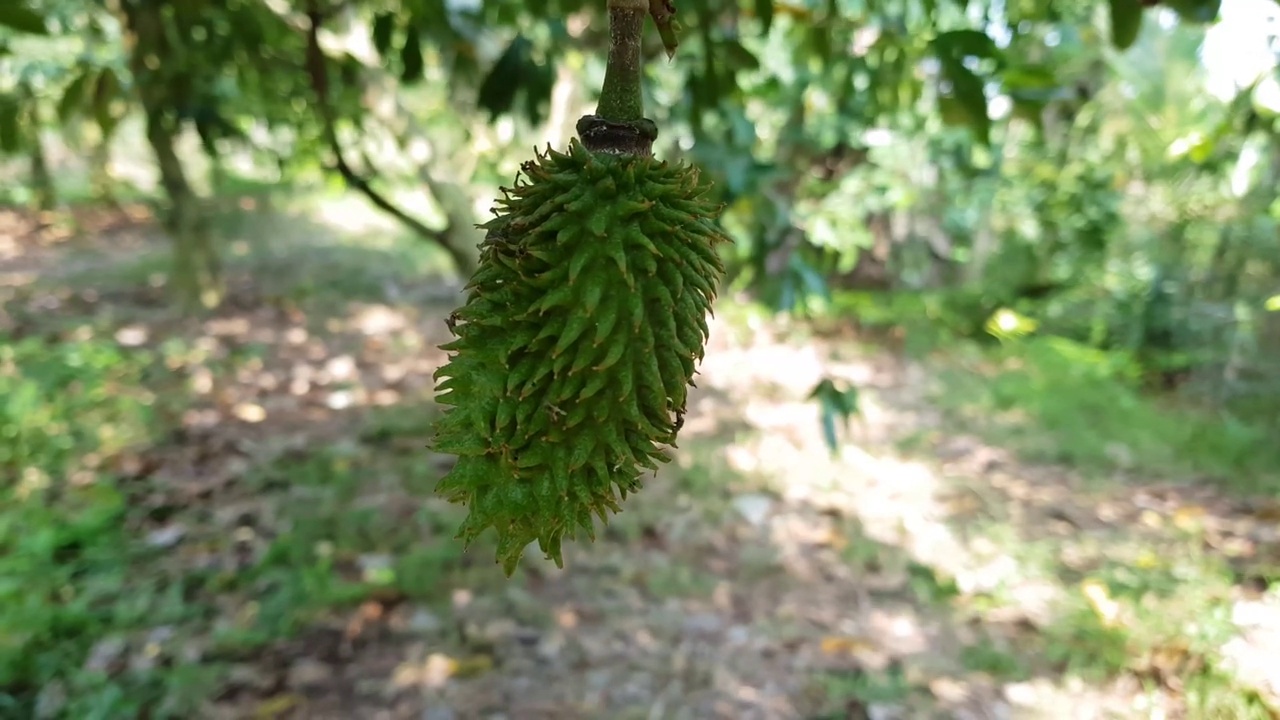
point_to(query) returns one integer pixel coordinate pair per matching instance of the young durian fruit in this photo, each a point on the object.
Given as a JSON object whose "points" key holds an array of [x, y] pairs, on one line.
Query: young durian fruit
{"points": [[579, 337]]}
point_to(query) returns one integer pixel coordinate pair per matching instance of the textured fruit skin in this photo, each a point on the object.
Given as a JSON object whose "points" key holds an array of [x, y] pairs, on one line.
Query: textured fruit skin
{"points": [[576, 345]]}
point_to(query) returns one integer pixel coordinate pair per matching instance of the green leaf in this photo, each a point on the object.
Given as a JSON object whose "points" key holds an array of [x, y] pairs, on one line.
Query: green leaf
{"points": [[970, 98], [73, 96], [1126, 22], [106, 91], [383, 25], [23, 19], [1196, 11], [10, 137], [964, 43], [538, 83], [506, 78], [1028, 80], [411, 58], [737, 57], [764, 11], [829, 427], [836, 404]]}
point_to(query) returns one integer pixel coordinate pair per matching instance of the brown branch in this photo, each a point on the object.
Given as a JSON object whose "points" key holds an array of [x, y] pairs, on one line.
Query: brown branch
{"points": [[318, 72]]}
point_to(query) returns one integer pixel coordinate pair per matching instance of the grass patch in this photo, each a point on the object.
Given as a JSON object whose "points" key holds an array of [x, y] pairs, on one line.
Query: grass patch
{"points": [[924, 320], [848, 689], [355, 525], [1213, 695], [987, 657], [70, 582], [97, 621], [288, 255], [1158, 610], [1058, 401]]}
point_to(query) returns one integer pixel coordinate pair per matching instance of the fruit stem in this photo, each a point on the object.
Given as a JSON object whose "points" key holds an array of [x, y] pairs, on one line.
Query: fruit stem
{"points": [[621, 99], [619, 126]]}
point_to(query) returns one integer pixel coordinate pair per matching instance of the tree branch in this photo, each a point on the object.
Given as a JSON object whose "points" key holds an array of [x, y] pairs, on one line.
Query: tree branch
{"points": [[318, 72]]}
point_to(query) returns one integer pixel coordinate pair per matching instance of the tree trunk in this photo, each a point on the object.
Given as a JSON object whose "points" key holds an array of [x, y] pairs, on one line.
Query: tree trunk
{"points": [[101, 182], [460, 237], [197, 272], [46, 194], [196, 279]]}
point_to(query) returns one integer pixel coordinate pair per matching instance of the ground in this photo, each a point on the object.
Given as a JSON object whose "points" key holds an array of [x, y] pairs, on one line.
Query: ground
{"points": [[276, 550]]}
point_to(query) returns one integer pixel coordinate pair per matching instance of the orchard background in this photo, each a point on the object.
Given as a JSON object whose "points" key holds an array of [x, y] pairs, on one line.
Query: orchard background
{"points": [[987, 426]]}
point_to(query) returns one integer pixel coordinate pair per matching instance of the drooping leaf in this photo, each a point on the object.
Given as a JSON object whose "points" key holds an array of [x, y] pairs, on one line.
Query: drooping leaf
{"points": [[1126, 22], [10, 137], [764, 12], [1196, 11], [499, 88], [539, 81], [966, 43], [73, 97], [17, 15], [383, 26], [411, 60], [106, 92], [970, 98], [836, 404]]}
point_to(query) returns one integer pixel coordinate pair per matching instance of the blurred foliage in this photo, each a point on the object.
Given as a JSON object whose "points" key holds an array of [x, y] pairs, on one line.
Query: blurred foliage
{"points": [[1061, 401], [1052, 183], [1063, 160]]}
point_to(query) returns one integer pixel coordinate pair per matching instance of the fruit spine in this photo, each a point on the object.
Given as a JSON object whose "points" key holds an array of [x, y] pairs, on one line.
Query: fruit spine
{"points": [[581, 331]]}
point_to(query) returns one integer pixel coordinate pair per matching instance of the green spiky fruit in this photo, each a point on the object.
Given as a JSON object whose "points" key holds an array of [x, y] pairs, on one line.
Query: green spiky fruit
{"points": [[576, 345]]}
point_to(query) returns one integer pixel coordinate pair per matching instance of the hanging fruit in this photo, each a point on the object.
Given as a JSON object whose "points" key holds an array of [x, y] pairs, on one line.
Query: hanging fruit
{"points": [[582, 325]]}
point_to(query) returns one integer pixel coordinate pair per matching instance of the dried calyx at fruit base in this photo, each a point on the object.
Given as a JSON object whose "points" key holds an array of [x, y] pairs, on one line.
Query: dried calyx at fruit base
{"points": [[582, 325]]}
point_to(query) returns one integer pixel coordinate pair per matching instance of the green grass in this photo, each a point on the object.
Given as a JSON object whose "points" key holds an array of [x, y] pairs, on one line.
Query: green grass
{"points": [[94, 619], [69, 575], [290, 257], [1149, 607], [987, 657], [1055, 400], [339, 547], [853, 688]]}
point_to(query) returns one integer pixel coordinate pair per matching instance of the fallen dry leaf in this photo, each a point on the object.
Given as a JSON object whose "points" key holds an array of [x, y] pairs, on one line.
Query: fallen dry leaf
{"points": [[277, 706], [845, 645], [1188, 518], [250, 412], [1099, 597]]}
